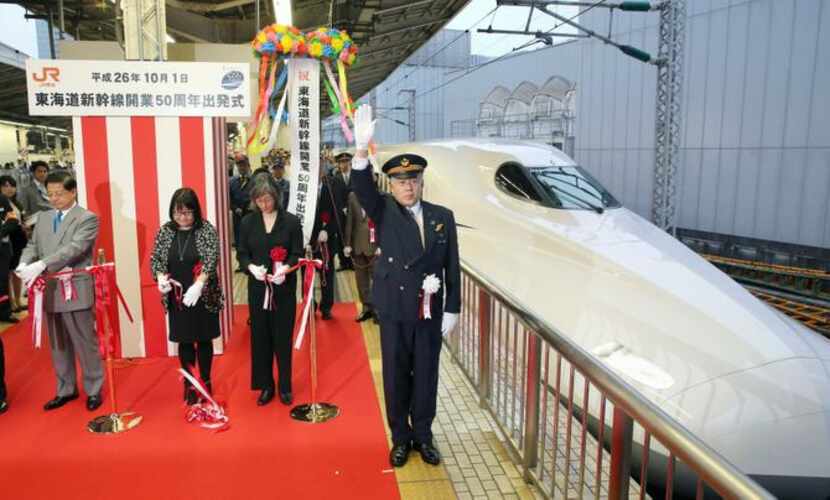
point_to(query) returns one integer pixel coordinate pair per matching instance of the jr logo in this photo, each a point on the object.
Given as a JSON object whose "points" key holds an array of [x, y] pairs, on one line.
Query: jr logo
{"points": [[47, 73]]}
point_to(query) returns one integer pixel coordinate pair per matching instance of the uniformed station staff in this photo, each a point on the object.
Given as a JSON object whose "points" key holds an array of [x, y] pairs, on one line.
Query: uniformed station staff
{"points": [[417, 239]]}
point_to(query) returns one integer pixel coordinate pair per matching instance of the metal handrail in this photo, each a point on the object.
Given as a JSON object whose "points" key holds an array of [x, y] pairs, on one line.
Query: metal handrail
{"points": [[714, 469]]}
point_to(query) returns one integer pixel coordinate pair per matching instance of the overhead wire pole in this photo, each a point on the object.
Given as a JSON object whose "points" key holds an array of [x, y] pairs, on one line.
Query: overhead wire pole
{"points": [[669, 62]]}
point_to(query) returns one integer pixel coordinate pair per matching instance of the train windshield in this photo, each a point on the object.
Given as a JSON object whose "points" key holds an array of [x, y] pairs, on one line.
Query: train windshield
{"points": [[573, 188]]}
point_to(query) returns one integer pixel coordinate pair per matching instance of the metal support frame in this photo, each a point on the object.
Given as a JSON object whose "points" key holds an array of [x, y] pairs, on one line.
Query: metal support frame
{"points": [[411, 106], [668, 113], [144, 30]]}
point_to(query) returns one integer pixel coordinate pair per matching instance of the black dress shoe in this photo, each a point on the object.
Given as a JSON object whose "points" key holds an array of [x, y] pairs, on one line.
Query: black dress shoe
{"points": [[59, 401], [94, 402], [366, 314], [429, 453], [326, 315], [265, 397], [3, 406], [191, 397], [286, 397], [400, 454]]}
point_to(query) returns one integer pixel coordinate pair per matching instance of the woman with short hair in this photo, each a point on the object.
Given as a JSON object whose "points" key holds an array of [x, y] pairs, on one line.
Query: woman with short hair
{"points": [[270, 241]]}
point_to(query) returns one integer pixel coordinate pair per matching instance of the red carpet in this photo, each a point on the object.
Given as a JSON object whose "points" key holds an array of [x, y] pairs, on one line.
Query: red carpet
{"points": [[265, 454]]}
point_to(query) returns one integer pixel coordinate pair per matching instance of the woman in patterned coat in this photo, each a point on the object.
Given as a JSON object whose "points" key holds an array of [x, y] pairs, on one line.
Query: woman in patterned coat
{"points": [[184, 260]]}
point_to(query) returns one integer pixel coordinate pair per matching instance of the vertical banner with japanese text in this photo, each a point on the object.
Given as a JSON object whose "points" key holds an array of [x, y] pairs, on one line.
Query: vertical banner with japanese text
{"points": [[304, 123]]}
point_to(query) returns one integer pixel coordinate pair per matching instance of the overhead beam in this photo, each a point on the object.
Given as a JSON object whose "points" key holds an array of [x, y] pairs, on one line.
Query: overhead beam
{"points": [[204, 8]]}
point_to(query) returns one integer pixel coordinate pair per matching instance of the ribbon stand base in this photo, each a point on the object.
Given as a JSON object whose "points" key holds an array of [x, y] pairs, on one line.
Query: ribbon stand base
{"points": [[314, 412], [115, 422]]}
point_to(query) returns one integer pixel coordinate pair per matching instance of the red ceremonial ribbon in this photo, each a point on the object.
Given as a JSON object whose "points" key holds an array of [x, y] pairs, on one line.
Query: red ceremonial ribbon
{"points": [[278, 255], [105, 305], [310, 265], [36, 307], [207, 412], [371, 225]]}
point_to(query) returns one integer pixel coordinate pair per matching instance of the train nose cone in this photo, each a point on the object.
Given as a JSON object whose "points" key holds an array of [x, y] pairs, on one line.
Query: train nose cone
{"points": [[772, 421]]}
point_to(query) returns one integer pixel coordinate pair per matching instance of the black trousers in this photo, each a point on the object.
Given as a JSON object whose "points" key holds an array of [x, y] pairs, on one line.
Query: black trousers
{"points": [[2, 371], [272, 333], [326, 279], [411, 352], [5, 261]]}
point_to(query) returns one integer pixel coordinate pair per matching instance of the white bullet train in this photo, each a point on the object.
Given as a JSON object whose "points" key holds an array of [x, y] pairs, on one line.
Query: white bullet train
{"points": [[749, 381]]}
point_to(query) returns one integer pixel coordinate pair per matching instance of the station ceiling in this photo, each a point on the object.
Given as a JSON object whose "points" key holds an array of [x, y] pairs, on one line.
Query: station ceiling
{"points": [[386, 31]]}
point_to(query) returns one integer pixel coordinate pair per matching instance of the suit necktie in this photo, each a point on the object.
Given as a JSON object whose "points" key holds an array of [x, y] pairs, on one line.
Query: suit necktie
{"points": [[417, 223], [56, 222]]}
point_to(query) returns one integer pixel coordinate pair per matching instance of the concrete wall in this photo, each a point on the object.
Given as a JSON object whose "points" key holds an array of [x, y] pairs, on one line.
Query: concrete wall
{"points": [[755, 152]]}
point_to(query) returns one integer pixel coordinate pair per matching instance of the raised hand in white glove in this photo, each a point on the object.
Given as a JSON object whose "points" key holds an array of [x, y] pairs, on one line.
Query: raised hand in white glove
{"points": [[28, 273], [378, 252], [347, 251], [191, 296], [448, 323], [163, 283], [323, 236], [258, 272], [364, 127]]}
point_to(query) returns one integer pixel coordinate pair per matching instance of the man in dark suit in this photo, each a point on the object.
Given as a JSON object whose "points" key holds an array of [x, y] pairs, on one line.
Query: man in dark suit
{"points": [[343, 171], [419, 255], [240, 193], [326, 234]]}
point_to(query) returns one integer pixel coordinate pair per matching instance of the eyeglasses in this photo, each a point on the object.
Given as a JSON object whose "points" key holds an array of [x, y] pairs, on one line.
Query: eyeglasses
{"points": [[55, 194], [183, 213]]}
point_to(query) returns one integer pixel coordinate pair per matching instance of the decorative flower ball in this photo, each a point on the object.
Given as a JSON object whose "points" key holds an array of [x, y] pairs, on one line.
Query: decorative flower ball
{"points": [[323, 43]]}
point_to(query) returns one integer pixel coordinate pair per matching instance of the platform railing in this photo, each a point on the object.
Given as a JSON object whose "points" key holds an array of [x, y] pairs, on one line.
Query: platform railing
{"points": [[537, 383]]}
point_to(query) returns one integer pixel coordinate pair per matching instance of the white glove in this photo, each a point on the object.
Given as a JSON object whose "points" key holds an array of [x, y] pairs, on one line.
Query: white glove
{"points": [[191, 296], [448, 323], [378, 252], [323, 236], [28, 273], [279, 277], [347, 251], [258, 272], [364, 127], [345, 211], [163, 283]]}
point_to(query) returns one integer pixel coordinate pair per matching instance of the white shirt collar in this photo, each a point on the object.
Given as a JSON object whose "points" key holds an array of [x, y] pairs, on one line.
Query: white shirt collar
{"points": [[64, 212], [415, 209]]}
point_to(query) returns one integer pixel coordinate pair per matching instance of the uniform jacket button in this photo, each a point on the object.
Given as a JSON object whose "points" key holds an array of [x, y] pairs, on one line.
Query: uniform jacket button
{"points": [[406, 267], [401, 287], [391, 259]]}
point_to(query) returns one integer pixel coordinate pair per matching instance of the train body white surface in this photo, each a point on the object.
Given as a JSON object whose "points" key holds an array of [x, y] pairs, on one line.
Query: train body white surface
{"points": [[752, 383]]}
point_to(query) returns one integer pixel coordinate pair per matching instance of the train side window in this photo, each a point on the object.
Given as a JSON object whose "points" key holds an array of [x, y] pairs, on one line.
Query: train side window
{"points": [[512, 179]]}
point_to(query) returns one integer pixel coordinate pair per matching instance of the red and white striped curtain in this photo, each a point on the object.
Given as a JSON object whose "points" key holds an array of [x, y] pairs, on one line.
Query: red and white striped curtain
{"points": [[127, 170]]}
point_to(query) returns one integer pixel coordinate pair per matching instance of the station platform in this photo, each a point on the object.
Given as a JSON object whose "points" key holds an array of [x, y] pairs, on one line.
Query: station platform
{"points": [[50, 454]]}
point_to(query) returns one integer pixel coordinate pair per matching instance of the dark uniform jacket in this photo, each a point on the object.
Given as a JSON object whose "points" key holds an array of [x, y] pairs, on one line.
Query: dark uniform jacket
{"points": [[241, 193], [332, 201], [404, 263]]}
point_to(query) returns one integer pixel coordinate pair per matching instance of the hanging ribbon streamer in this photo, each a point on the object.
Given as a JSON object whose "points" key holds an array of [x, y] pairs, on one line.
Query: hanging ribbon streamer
{"points": [[430, 287], [335, 105], [310, 266], [275, 127], [207, 412], [36, 309], [178, 292], [344, 87]]}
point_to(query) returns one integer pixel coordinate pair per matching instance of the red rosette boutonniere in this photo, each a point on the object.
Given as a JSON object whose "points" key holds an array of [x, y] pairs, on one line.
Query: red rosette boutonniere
{"points": [[325, 217], [197, 270], [278, 256]]}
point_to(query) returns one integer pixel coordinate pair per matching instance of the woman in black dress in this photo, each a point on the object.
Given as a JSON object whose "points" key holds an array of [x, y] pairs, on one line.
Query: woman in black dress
{"points": [[184, 260], [270, 241]]}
